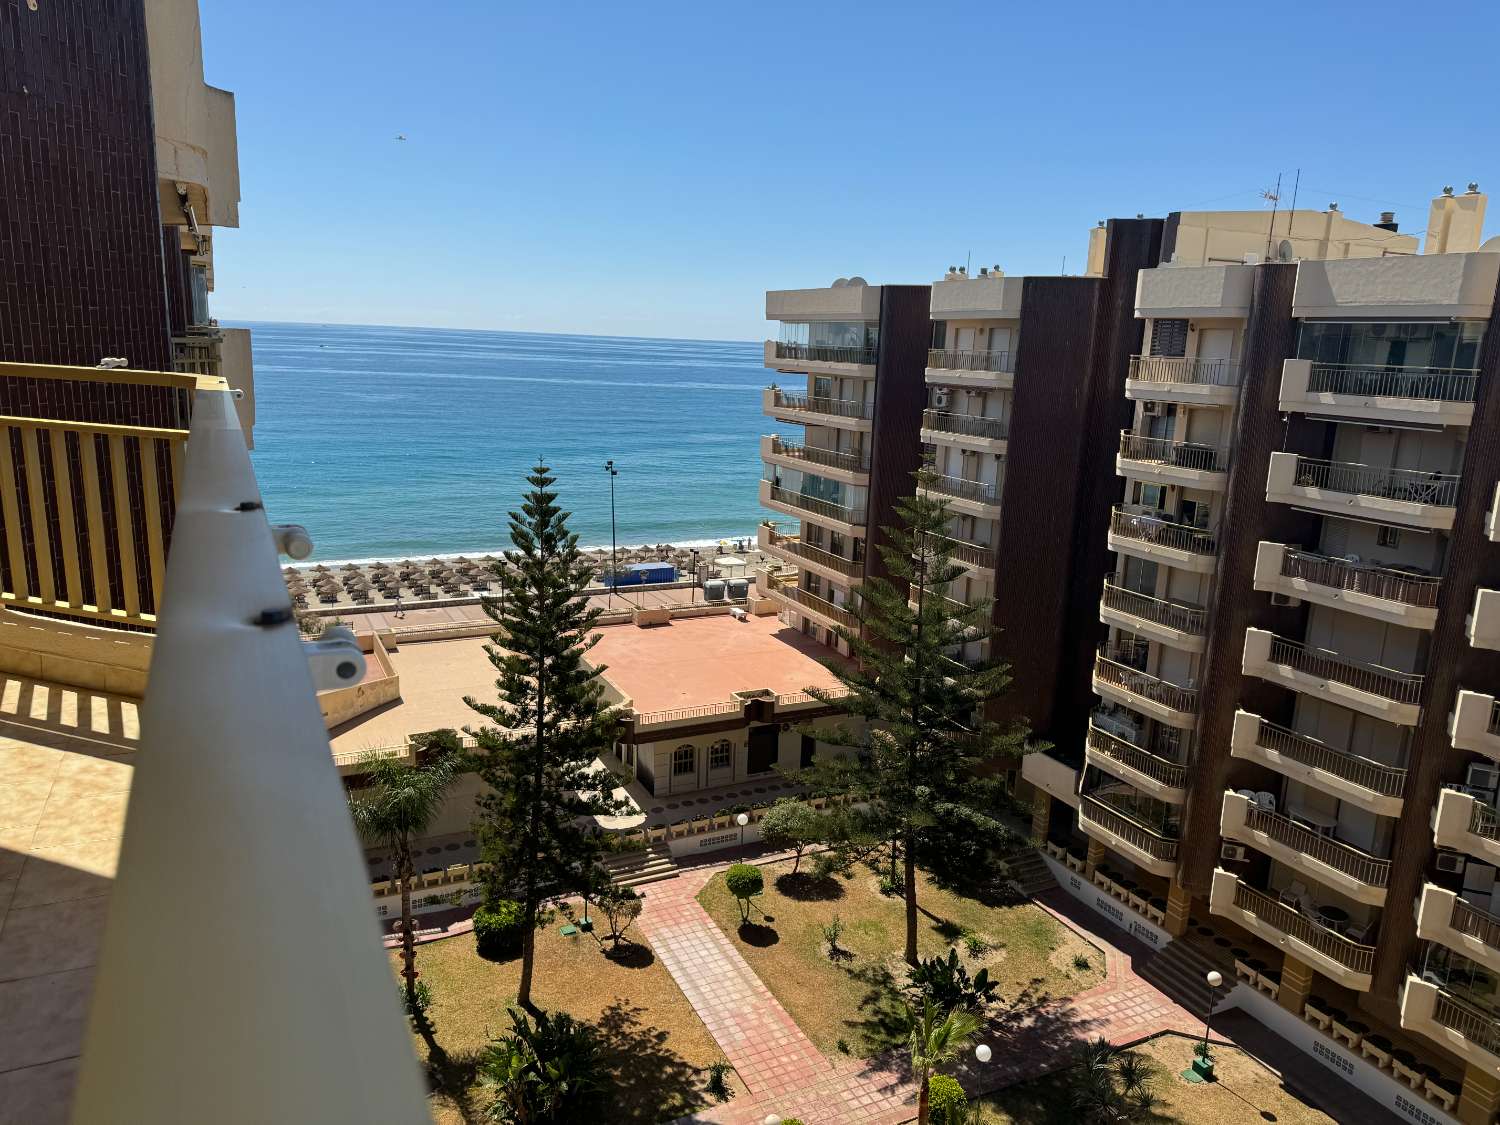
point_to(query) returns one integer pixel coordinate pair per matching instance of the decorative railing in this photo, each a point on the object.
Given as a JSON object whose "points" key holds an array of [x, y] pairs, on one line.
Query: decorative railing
{"points": [[1335, 946], [963, 489], [1168, 614], [1178, 369], [198, 354], [1153, 529], [836, 407], [819, 605], [825, 353], [975, 554], [1443, 384], [965, 424], [1469, 919], [1399, 687], [1158, 769], [1484, 820], [832, 458], [1374, 581], [841, 512], [1145, 685], [1411, 486], [1351, 861], [1388, 781], [677, 715], [1474, 1024], [952, 360], [1117, 824], [792, 545], [1182, 454]]}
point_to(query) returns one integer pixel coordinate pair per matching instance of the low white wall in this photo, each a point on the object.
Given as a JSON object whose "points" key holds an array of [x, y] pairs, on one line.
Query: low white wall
{"points": [[1116, 911]]}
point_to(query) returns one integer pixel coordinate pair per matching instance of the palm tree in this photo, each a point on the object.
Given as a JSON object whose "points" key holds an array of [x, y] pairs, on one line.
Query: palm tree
{"points": [[1113, 1087], [395, 806], [936, 1040]]}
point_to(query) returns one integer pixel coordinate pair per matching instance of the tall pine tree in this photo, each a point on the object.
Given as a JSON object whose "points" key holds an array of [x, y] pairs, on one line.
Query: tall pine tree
{"points": [[538, 759], [924, 736]]}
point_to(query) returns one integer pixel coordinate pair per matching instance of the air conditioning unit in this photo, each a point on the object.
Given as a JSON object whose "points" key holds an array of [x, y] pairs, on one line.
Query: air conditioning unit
{"points": [[1285, 600], [1451, 862], [1234, 852], [1484, 775], [941, 397], [1150, 408]]}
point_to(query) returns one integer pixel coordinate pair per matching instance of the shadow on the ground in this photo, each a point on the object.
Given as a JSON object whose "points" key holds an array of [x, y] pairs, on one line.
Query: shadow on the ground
{"points": [[650, 1081], [752, 933], [631, 955], [454, 1080], [803, 886]]}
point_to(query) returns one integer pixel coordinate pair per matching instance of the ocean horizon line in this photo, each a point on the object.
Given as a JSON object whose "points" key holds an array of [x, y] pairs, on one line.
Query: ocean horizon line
{"points": [[232, 322]]}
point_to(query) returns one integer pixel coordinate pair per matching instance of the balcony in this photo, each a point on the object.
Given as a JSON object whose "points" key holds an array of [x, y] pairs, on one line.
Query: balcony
{"points": [[1335, 956], [975, 496], [1470, 1032], [981, 370], [1137, 843], [1434, 396], [1196, 382], [1183, 463], [965, 430], [1383, 693], [804, 602], [1389, 594], [1483, 624], [841, 517], [1474, 723], [834, 359], [315, 1027], [1465, 823], [976, 556], [1351, 871], [1370, 492], [1148, 536], [831, 464], [1445, 918], [1052, 776], [791, 548], [1178, 624], [1372, 786], [1148, 694], [1150, 773], [808, 410]]}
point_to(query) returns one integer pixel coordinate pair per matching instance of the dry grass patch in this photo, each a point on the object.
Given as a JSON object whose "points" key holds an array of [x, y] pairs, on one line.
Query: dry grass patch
{"points": [[853, 1001], [656, 1046]]}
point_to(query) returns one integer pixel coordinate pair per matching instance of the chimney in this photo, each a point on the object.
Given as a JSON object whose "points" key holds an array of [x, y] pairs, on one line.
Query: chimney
{"points": [[1455, 223]]}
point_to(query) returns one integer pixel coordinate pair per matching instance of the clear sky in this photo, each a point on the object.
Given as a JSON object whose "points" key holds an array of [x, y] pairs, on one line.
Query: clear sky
{"points": [[649, 169]]}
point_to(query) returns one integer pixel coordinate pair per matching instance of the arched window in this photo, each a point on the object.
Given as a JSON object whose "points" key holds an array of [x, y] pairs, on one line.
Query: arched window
{"points": [[684, 760], [721, 755]]}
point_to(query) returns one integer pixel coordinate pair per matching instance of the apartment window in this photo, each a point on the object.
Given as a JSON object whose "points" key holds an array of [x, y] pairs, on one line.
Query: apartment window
{"points": [[1388, 537], [1440, 344], [1150, 495], [859, 550], [1169, 337], [812, 534], [684, 760], [721, 755], [939, 334], [1195, 513], [822, 387], [836, 543]]}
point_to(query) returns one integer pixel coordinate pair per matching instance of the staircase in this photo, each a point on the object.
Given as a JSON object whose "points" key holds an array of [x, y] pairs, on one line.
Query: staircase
{"points": [[1179, 971], [633, 869], [1030, 872]]}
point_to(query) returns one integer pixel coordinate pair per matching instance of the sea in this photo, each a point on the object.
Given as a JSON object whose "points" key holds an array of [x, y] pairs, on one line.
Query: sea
{"points": [[396, 442]]}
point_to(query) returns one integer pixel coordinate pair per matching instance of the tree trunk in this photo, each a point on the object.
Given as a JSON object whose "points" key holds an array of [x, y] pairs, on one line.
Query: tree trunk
{"points": [[796, 860], [408, 938], [910, 858], [528, 951], [923, 1108]]}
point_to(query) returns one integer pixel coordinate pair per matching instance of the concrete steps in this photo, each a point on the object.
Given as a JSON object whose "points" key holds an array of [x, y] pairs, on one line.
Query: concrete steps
{"points": [[635, 869], [1179, 971], [1030, 871]]}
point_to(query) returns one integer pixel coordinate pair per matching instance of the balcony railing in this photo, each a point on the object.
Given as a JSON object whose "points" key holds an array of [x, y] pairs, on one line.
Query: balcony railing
{"points": [[198, 354], [820, 605], [1474, 1024], [1180, 454], [963, 489], [825, 353], [1400, 687], [1153, 529], [1158, 769], [1357, 864], [1176, 369], [1409, 485], [1388, 781], [952, 360], [1390, 585], [1335, 946], [1137, 835], [826, 508], [1443, 384], [1494, 724], [975, 554], [964, 424], [1469, 919], [1145, 685], [1484, 820], [835, 407], [1168, 614], [235, 758], [832, 458], [793, 545]]}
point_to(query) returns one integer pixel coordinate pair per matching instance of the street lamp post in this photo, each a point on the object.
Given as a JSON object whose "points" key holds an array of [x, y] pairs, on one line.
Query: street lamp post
{"points": [[614, 565], [742, 820], [1203, 1065], [694, 594]]}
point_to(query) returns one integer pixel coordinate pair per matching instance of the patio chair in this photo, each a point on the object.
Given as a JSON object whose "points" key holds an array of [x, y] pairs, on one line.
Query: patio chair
{"points": [[1294, 895]]}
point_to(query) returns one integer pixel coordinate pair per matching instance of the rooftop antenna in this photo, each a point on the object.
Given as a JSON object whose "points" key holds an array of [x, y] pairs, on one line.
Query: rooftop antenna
{"points": [[1274, 195], [968, 260], [1064, 270], [1297, 183]]}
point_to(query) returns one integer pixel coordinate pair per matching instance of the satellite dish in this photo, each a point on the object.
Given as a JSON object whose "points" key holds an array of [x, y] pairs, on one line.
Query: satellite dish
{"points": [[1284, 252]]}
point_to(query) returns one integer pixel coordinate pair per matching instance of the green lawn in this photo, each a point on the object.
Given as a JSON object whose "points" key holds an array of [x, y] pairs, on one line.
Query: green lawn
{"points": [[851, 999]]}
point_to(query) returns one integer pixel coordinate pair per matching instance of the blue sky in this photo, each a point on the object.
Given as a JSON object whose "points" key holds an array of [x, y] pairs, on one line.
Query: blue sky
{"points": [[650, 169]]}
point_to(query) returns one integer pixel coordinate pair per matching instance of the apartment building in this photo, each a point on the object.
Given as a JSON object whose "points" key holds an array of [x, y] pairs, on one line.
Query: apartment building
{"points": [[1293, 747]]}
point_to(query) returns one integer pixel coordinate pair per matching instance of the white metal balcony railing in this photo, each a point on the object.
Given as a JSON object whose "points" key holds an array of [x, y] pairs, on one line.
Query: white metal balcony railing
{"points": [[1157, 768], [1190, 455], [1388, 683], [834, 407], [1335, 946], [199, 978], [820, 605], [1411, 486], [200, 353], [953, 360], [825, 353], [1469, 919], [843, 513], [1177, 616], [976, 490], [1344, 858], [974, 554], [1388, 781], [1146, 528], [1178, 369], [1441, 384], [793, 545], [1484, 819], [1386, 583], [1137, 835], [812, 455], [1472, 1022], [1145, 685], [967, 425]]}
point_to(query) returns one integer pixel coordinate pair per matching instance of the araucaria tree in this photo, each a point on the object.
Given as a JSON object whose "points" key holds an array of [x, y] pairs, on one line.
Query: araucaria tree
{"points": [[924, 733], [549, 726]]}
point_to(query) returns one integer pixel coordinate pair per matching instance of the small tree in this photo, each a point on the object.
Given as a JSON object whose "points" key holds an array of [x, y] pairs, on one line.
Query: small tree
{"points": [[791, 825], [744, 881], [620, 906], [936, 1040]]}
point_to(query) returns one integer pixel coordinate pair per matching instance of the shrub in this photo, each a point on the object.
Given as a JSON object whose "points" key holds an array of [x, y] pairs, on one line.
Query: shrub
{"points": [[443, 741], [498, 929], [548, 1072], [417, 1011], [975, 945], [744, 881], [791, 825], [946, 1100], [948, 985], [831, 934], [718, 1084], [1081, 963], [620, 906], [825, 865], [889, 887]]}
